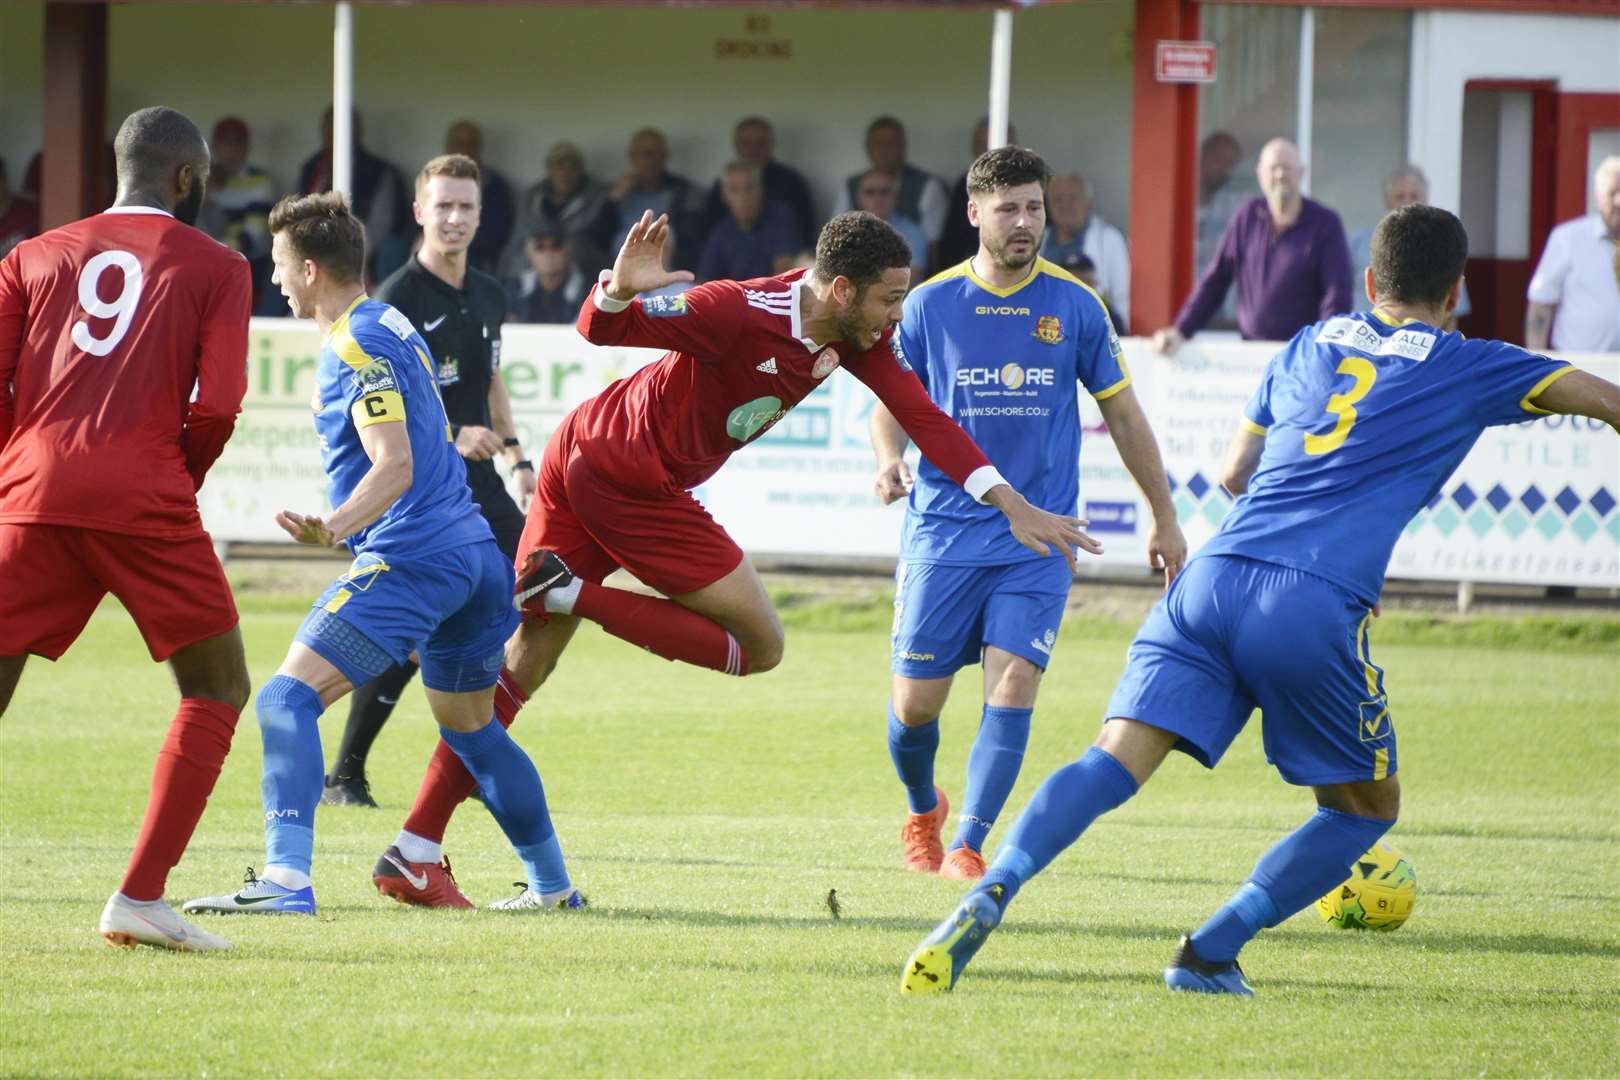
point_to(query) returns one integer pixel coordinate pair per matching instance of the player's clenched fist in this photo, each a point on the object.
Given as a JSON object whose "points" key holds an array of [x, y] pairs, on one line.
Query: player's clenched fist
{"points": [[893, 482]]}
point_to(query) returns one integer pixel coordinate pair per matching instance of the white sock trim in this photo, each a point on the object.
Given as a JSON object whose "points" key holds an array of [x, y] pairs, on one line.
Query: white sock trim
{"points": [[286, 877], [418, 849], [560, 601]]}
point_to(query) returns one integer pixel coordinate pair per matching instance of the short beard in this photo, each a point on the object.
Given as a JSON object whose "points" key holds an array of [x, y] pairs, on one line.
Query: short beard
{"points": [[1000, 258], [187, 210]]}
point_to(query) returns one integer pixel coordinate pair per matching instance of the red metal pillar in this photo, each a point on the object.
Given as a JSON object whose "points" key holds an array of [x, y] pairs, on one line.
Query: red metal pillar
{"points": [[1164, 170], [73, 180]]}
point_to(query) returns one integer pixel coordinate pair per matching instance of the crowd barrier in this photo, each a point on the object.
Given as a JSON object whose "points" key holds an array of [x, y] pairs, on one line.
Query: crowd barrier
{"points": [[1534, 503]]}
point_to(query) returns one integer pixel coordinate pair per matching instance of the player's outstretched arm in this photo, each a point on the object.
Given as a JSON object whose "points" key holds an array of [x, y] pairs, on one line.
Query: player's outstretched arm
{"points": [[1580, 393], [1242, 458], [889, 443], [1139, 450], [1040, 530], [388, 445]]}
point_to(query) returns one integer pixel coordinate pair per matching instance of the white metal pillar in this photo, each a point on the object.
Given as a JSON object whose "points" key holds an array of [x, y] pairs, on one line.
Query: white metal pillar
{"points": [[1000, 76], [343, 100], [1307, 89]]}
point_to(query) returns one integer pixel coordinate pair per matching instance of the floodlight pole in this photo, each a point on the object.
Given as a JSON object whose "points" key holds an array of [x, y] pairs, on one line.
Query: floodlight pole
{"points": [[1307, 92], [343, 100], [1000, 76]]}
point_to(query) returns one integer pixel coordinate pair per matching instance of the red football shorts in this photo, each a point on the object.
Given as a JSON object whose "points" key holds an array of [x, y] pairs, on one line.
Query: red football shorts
{"points": [[618, 508], [54, 577]]}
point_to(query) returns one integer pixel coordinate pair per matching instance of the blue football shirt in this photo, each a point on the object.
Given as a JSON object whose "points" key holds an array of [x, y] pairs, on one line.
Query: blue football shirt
{"points": [[375, 368], [1363, 422], [1003, 363]]}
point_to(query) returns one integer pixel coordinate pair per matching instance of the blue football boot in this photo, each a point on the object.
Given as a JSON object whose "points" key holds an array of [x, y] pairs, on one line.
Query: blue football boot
{"points": [[1191, 973], [256, 897], [938, 962]]}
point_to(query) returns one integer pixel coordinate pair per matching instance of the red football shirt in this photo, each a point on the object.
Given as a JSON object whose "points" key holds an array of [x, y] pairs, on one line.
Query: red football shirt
{"points": [[738, 362], [107, 326]]}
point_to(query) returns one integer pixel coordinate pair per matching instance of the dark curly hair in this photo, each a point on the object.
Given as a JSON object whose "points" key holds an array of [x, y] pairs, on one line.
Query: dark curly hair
{"points": [[1005, 167], [861, 247], [1418, 254], [324, 230]]}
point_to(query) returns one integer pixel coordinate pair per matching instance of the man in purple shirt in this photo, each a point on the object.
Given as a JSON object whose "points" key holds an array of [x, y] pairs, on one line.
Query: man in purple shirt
{"points": [[1287, 253]]}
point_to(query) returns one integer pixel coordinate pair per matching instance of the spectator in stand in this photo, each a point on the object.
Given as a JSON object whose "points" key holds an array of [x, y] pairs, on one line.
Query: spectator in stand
{"points": [[1575, 292], [1406, 186], [1218, 195], [576, 203], [1075, 229], [878, 193], [552, 289], [921, 195], [380, 199], [19, 215], [754, 141], [499, 207], [958, 239], [649, 185], [240, 195], [1080, 265], [758, 236], [1287, 254]]}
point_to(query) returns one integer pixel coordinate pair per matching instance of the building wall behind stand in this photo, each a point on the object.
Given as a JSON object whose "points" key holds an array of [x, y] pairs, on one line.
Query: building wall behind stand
{"points": [[532, 75], [1451, 47]]}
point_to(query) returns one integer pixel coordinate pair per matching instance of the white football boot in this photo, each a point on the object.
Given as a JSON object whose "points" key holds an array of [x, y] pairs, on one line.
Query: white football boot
{"points": [[129, 922], [528, 899]]}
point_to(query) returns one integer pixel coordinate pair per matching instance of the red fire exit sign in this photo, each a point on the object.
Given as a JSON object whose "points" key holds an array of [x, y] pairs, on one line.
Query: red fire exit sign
{"points": [[1184, 62]]}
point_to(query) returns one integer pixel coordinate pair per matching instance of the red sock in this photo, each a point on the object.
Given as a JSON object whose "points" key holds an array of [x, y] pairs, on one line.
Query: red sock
{"points": [[187, 766], [661, 626], [448, 783]]}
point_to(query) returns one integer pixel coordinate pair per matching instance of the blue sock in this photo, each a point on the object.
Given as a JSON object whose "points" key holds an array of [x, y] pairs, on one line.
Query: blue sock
{"points": [[993, 764], [289, 727], [1063, 808], [511, 788], [913, 749], [1302, 866]]}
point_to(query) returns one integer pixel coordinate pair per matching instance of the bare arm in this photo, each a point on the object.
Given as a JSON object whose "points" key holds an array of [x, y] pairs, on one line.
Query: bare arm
{"points": [[1581, 393], [889, 443], [1139, 450], [388, 445], [1538, 319], [500, 415], [1242, 458]]}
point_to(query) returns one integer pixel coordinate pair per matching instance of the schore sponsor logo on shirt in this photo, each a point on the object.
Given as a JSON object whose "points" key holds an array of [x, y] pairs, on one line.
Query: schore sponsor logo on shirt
{"points": [[1007, 377], [664, 307], [1114, 517]]}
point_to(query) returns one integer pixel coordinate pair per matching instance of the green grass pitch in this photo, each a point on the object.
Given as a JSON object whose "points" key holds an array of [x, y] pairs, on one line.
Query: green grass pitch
{"points": [[707, 818]]}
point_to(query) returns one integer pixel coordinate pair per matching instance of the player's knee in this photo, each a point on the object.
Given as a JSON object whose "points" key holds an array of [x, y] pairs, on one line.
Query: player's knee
{"points": [[230, 687], [914, 711], [1016, 687], [764, 651]]}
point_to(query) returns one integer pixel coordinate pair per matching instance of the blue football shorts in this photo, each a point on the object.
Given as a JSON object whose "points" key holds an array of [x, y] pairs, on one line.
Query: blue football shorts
{"points": [[945, 615], [1235, 634], [453, 608]]}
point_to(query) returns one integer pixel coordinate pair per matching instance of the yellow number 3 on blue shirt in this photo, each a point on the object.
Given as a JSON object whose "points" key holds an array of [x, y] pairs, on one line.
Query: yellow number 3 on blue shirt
{"points": [[1344, 405]]}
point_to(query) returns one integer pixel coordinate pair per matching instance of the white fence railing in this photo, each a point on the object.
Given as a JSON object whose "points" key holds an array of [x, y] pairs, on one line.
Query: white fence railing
{"points": [[1533, 504]]}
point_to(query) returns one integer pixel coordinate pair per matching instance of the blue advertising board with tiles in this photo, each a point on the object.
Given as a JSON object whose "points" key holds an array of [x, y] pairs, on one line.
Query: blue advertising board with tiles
{"points": [[1534, 503]]}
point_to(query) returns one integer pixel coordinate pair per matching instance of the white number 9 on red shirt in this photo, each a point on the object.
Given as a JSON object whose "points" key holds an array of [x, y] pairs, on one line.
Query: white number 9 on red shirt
{"points": [[121, 308]]}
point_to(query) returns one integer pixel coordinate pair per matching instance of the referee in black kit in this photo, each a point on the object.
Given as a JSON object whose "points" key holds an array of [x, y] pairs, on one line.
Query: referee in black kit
{"points": [[459, 311]]}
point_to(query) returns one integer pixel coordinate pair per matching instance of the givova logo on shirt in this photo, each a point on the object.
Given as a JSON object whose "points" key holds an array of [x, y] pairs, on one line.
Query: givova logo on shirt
{"points": [[1007, 377], [750, 419]]}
